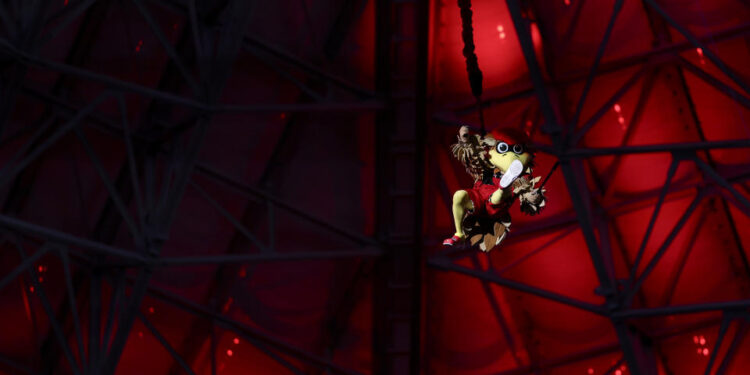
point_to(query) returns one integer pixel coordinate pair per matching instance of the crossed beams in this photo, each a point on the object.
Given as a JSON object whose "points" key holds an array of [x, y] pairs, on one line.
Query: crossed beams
{"points": [[146, 229], [617, 304]]}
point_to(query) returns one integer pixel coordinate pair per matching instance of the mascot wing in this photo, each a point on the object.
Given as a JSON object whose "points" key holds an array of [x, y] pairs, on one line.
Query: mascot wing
{"points": [[532, 199], [471, 154]]}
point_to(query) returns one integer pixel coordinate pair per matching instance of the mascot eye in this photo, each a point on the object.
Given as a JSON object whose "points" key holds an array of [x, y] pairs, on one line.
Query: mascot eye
{"points": [[518, 149], [502, 147]]}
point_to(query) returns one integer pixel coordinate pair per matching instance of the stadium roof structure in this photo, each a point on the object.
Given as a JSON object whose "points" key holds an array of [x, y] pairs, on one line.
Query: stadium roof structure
{"points": [[235, 186]]}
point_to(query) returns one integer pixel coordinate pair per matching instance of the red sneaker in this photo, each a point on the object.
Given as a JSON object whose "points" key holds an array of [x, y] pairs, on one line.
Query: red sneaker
{"points": [[452, 241]]}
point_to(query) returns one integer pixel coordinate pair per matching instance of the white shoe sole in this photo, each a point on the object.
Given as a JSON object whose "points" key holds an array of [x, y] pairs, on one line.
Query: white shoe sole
{"points": [[511, 174]]}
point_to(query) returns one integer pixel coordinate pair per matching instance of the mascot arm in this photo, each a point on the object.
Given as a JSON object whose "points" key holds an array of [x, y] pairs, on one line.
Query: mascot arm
{"points": [[496, 197]]}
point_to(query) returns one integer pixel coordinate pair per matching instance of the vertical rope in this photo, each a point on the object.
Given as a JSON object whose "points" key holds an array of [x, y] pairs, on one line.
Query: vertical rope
{"points": [[472, 65]]}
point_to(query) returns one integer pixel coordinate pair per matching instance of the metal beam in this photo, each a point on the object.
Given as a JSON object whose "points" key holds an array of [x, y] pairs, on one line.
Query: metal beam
{"points": [[580, 153], [682, 309], [50, 312], [698, 43], [124, 86], [739, 335], [171, 52], [606, 107], [652, 55], [14, 167], [663, 248], [655, 214], [256, 258], [725, 321], [448, 265], [165, 344], [259, 46], [113, 128], [616, 7], [224, 53], [660, 334], [723, 88], [245, 330], [636, 356], [59, 237], [499, 316], [214, 174], [401, 68]]}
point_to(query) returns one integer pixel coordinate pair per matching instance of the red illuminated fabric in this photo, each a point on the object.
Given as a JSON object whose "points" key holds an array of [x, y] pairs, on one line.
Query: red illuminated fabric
{"points": [[480, 197]]}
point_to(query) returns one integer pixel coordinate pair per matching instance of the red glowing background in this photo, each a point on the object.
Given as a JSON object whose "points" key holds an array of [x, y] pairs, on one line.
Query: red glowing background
{"points": [[662, 97]]}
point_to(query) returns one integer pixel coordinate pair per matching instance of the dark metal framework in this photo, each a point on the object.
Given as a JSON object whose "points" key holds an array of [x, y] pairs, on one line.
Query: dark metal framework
{"points": [[201, 61], [402, 32], [640, 349]]}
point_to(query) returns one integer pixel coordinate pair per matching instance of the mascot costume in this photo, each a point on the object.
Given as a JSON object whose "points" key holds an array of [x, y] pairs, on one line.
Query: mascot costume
{"points": [[501, 165]]}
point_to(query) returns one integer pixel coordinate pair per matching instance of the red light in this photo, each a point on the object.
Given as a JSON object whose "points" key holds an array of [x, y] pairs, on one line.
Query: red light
{"points": [[282, 116], [567, 2], [700, 351], [31, 289], [41, 279], [236, 341], [151, 310], [618, 108], [702, 340], [41, 268], [618, 372], [621, 120], [623, 368], [705, 351], [230, 352], [138, 47], [695, 339], [591, 371], [699, 51], [501, 30], [140, 334]]}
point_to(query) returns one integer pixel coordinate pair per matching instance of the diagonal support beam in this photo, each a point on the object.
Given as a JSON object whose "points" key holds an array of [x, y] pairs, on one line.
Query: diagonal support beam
{"points": [[165, 344], [246, 331], [499, 316], [607, 106], [739, 335], [50, 312], [652, 222], [447, 265], [725, 321], [725, 89], [11, 170], [681, 309], [594, 67], [169, 48], [711, 173], [637, 356], [664, 247], [21, 268], [696, 42]]}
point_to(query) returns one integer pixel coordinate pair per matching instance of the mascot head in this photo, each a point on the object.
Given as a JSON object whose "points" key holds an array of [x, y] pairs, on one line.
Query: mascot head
{"points": [[507, 145]]}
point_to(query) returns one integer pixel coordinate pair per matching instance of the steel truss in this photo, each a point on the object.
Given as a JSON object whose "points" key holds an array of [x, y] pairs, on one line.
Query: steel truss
{"points": [[638, 350], [98, 261], [155, 209]]}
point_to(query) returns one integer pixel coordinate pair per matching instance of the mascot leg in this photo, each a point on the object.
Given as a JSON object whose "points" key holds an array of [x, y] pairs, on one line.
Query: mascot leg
{"points": [[461, 204]]}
